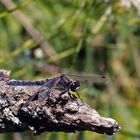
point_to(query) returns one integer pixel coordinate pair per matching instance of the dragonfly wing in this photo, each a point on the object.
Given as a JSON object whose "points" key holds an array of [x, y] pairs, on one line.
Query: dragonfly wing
{"points": [[43, 95], [89, 79], [45, 90], [97, 79], [50, 84]]}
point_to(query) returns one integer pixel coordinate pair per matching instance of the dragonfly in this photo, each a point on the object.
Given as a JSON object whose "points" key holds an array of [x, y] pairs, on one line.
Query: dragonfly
{"points": [[66, 83]]}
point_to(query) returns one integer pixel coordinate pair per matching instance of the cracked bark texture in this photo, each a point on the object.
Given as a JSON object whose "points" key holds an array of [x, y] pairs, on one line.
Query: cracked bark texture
{"points": [[65, 113]]}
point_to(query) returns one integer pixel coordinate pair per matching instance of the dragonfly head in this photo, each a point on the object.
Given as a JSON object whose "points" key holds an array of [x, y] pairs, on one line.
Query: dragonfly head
{"points": [[74, 86]]}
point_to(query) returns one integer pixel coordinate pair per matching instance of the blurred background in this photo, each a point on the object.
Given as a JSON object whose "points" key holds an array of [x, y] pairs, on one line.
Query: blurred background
{"points": [[43, 38]]}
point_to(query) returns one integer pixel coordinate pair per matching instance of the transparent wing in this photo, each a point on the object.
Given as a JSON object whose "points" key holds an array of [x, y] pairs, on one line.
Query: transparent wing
{"points": [[88, 79], [50, 84], [45, 90]]}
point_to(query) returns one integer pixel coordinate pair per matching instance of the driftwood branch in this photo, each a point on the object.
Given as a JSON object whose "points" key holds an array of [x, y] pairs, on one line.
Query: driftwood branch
{"points": [[56, 113]]}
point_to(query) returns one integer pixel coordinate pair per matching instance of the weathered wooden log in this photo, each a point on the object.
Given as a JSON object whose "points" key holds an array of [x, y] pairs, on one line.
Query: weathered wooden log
{"points": [[57, 112]]}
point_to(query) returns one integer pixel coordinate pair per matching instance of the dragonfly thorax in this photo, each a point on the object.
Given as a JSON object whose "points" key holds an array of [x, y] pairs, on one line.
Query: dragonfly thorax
{"points": [[75, 86]]}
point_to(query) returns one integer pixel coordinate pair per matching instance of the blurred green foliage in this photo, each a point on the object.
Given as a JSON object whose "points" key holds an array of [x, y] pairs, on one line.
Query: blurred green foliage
{"points": [[92, 36]]}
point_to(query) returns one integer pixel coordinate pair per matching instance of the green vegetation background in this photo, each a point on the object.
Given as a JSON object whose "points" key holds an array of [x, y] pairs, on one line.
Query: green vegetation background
{"points": [[91, 36]]}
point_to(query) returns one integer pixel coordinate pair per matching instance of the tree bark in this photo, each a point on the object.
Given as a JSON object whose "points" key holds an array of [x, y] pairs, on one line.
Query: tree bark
{"points": [[57, 112]]}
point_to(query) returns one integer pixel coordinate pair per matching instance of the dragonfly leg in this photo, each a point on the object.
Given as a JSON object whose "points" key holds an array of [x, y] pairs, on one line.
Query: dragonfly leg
{"points": [[63, 92], [78, 95], [67, 90], [71, 95]]}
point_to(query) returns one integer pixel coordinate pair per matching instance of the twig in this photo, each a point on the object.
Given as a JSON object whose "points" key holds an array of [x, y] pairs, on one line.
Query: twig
{"points": [[55, 113]]}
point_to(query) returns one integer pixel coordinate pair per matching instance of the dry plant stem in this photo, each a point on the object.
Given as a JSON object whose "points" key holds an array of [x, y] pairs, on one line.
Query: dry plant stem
{"points": [[36, 35], [102, 20], [54, 113], [135, 53]]}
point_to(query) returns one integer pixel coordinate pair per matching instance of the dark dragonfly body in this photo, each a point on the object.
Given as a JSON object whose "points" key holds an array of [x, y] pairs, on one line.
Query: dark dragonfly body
{"points": [[26, 83], [62, 83], [65, 83]]}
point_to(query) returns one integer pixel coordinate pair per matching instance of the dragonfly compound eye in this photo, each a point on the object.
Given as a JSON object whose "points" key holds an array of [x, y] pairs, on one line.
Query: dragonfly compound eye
{"points": [[75, 86]]}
